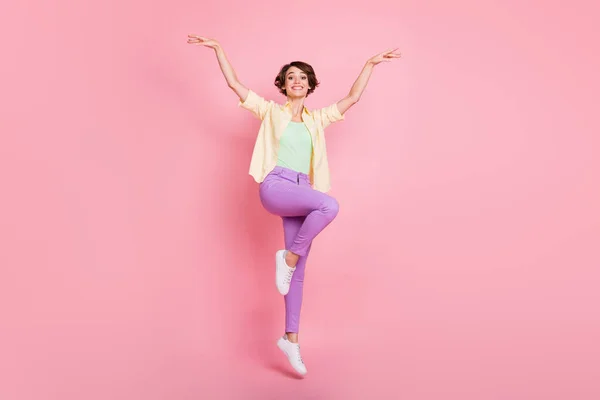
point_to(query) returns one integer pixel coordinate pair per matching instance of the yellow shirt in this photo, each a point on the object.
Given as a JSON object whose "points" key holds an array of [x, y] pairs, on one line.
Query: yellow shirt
{"points": [[275, 118]]}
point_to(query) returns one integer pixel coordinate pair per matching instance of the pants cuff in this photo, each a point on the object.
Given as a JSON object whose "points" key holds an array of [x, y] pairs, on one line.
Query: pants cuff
{"points": [[301, 251]]}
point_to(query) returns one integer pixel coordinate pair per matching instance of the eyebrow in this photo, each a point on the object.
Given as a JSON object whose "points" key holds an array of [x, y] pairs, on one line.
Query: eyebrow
{"points": [[291, 72]]}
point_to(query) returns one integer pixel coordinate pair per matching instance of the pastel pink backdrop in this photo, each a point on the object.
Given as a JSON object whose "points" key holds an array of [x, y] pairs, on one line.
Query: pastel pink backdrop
{"points": [[136, 260]]}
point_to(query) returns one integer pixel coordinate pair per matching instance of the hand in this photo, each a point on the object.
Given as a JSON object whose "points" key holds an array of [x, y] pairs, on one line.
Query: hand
{"points": [[386, 56], [199, 40]]}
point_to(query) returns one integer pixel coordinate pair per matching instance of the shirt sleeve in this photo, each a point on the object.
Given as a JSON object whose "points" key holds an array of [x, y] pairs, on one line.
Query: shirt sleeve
{"points": [[328, 115], [256, 104]]}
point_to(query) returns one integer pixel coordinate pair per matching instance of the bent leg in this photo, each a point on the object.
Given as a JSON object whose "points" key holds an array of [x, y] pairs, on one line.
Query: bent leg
{"points": [[286, 199]]}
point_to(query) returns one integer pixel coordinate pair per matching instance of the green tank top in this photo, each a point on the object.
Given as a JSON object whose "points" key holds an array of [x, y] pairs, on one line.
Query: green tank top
{"points": [[295, 148]]}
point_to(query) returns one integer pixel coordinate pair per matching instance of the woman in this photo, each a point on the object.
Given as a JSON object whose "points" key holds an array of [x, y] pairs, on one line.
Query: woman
{"points": [[289, 162]]}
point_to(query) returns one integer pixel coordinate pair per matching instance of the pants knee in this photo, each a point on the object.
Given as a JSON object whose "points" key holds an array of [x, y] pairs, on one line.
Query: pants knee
{"points": [[330, 208]]}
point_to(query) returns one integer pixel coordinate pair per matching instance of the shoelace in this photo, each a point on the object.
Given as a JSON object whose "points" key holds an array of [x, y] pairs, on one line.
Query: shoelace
{"points": [[288, 277], [298, 355]]}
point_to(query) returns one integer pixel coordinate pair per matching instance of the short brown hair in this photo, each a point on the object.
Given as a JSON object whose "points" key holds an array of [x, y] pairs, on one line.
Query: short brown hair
{"points": [[304, 67]]}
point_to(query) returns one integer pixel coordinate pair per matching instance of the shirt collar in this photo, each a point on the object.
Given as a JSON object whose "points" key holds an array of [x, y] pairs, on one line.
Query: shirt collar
{"points": [[288, 106]]}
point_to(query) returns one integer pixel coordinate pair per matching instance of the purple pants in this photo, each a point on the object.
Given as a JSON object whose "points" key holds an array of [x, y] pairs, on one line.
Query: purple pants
{"points": [[305, 213]]}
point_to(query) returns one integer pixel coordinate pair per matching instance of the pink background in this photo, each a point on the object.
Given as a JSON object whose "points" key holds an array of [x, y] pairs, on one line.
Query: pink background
{"points": [[136, 260]]}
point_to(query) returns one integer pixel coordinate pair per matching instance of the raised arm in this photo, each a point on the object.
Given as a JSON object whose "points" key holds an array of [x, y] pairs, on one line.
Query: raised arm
{"points": [[363, 78], [226, 68]]}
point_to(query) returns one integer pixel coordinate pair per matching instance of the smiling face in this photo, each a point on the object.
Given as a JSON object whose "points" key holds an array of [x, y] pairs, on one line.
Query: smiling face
{"points": [[296, 80], [296, 83]]}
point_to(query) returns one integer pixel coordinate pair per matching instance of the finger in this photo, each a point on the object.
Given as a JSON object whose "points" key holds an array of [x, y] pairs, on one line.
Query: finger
{"points": [[388, 51], [392, 55], [196, 37]]}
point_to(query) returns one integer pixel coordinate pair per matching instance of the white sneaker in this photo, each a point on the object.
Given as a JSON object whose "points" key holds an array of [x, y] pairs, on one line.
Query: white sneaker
{"points": [[292, 351], [283, 273]]}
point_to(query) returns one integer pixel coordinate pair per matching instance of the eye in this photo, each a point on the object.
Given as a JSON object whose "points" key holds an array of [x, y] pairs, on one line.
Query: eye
{"points": [[304, 77]]}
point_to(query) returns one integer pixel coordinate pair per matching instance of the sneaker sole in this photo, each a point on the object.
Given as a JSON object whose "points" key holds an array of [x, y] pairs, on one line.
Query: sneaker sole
{"points": [[283, 293]]}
